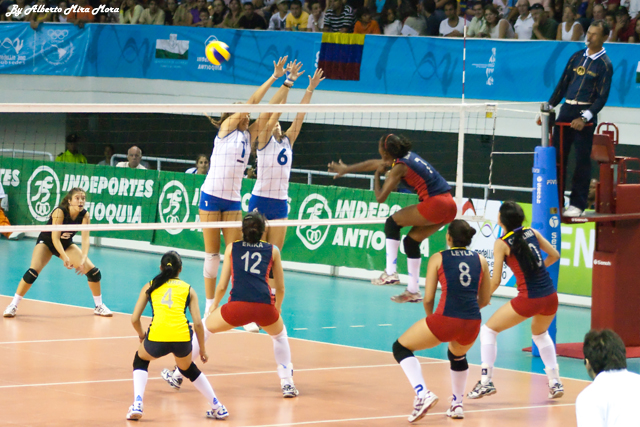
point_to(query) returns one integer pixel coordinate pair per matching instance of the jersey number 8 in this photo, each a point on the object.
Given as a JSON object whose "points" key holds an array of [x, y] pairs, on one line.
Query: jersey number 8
{"points": [[465, 277], [253, 268]]}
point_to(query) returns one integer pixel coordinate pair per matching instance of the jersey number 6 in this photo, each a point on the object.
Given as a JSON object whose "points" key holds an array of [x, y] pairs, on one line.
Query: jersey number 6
{"points": [[282, 157]]}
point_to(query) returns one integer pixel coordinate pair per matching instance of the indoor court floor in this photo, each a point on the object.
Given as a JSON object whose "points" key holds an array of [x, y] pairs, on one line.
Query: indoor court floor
{"points": [[65, 366]]}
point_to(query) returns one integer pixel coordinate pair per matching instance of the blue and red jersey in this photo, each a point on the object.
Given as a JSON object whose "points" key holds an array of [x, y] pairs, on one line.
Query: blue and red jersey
{"points": [[423, 178], [460, 275], [531, 284], [250, 268]]}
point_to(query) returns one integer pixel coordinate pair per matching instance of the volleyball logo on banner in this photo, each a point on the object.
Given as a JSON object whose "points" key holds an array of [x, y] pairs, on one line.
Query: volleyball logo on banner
{"points": [[56, 50], [203, 61], [313, 207], [173, 205], [41, 186]]}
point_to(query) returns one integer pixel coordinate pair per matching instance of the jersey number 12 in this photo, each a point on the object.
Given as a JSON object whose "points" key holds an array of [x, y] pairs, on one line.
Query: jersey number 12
{"points": [[253, 268]]}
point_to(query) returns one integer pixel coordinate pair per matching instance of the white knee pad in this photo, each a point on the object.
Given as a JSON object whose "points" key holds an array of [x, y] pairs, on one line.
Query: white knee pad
{"points": [[488, 336], [543, 340], [211, 264]]}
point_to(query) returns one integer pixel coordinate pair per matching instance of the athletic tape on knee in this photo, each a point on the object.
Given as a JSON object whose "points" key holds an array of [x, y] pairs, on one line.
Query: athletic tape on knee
{"points": [[140, 364], [392, 229], [488, 336], [94, 275], [543, 340], [400, 352], [192, 372], [30, 276], [458, 363], [411, 247], [211, 264]]}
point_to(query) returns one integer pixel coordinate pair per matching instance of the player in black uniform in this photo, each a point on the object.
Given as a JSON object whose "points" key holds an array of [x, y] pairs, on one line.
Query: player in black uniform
{"points": [[60, 244]]}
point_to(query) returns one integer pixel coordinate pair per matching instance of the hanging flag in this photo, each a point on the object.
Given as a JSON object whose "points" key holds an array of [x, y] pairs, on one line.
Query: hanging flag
{"points": [[341, 55]]}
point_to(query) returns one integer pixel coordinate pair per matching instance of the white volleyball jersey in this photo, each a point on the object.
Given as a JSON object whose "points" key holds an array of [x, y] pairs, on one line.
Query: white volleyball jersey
{"points": [[274, 169], [228, 162]]}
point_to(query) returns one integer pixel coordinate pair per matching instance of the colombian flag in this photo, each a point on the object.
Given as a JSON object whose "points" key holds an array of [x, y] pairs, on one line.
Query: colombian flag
{"points": [[341, 55]]}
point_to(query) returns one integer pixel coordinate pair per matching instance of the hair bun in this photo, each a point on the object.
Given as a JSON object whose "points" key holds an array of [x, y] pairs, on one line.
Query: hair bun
{"points": [[471, 232]]}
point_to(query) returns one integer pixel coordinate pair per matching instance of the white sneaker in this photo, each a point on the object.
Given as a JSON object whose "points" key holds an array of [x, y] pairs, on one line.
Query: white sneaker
{"points": [[252, 327], [168, 376], [220, 413], [135, 411], [17, 235], [386, 279], [289, 390], [102, 310], [455, 411], [572, 212], [10, 311], [422, 405]]}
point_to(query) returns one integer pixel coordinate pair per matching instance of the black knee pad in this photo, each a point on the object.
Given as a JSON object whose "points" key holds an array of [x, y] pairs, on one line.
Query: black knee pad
{"points": [[30, 276], [411, 247], [401, 352], [392, 229], [94, 275], [139, 364], [192, 372], [458, 363]]}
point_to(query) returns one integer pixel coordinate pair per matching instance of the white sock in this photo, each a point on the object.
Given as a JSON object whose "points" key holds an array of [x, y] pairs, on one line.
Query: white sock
{"points": [[97, 300], [413, 265], [177, 374], [458, 384], [208, 304], [139, 384], [204, 386], [413, 371], [488, 352], [16, 300], [548, 355], [392, 255], [282, 354]]}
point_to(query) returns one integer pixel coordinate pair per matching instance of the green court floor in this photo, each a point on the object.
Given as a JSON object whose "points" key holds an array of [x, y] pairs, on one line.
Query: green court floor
{"points": [[318, 308]]}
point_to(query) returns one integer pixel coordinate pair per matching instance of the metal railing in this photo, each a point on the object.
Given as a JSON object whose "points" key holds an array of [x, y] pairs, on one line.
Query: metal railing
{"points": [[13, 151], [158, 160]]}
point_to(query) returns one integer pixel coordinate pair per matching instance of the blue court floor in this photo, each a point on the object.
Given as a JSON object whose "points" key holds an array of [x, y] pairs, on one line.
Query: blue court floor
{"points": [[318, 308]]}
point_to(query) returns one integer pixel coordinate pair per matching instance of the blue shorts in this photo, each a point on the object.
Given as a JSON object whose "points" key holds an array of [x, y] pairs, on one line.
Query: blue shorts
{"points": [[270, 208], [211, 203]]}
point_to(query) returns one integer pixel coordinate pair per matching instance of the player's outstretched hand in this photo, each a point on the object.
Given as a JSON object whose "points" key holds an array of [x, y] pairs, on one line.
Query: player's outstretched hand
{"points": [[293, 70], [314, 81], [339, 168], [203, 356], [278, 69]]}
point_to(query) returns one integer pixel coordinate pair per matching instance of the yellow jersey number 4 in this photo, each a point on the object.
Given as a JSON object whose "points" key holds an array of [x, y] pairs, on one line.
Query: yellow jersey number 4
{"points": [[166, 299]]}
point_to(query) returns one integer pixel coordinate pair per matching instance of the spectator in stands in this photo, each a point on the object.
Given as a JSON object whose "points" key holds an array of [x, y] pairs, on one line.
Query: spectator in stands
{"points": [[365, 24], [635, 38], [278, 21], [414, 24], [201, 167], [204, 19], [611, 20], [5, 5], [391, 25], [251, 20], [60, 16], [496, 28], [612, 399], [233, 16], [624, 27], [547, 5], [130, 12], [557, 7], [543, 28], [338, 18], [85, 16], [596, 11], [316, 17], [453, 26], [104, 17], [478, 25], [109, 151], [169, 11], [37, 17], [503, 7], [152, 15], [433, 17], [4, 221], [71, 154], [134, 157], [219, 12], [195, 11], [298, 19], [523, 27], [570, 29], [183, 16]]}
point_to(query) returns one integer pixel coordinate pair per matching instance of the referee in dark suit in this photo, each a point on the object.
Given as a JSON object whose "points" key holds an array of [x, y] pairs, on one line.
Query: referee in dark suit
{"points": [[585, 86]]}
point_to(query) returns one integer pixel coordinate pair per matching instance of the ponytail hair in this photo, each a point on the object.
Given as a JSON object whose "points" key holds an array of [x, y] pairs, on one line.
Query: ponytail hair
{"points": [[512, 217], [223, 117], [64, 204], [396, 146], [253, 226], [461, 233], [170, 267]]}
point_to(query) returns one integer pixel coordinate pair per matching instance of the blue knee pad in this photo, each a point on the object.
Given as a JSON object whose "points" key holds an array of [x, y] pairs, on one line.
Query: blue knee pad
{"points": [[392, 229], [458, 363], [140, 364], [400, 352], [411, 247], [192, 372]]}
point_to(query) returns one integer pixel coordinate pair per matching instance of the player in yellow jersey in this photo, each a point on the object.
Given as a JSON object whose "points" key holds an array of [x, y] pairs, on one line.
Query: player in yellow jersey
{"points": [[170, 332]]}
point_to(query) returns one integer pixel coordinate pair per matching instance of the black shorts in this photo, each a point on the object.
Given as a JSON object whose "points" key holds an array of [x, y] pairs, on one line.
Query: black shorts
{"points": [[158, 349], [65, 245]]}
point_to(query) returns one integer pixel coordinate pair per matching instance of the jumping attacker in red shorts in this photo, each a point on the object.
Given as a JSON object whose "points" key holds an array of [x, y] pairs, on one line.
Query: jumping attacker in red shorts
{"points": [[247, 263], [521, 248], [466, 288]]}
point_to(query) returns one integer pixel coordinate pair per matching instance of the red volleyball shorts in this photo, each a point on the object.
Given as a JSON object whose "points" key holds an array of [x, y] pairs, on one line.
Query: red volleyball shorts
{"points": [[447, 329], [440, 209], [240, 313], [529, 307]]}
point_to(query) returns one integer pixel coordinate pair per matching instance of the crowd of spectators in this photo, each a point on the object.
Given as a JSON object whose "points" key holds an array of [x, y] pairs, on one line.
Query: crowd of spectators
{"points": [[520, 19]]}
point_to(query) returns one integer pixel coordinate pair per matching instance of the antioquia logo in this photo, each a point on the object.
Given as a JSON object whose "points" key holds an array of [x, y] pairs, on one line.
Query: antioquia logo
{"points": [[314, 206], [174, 205], [42, 184]]}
